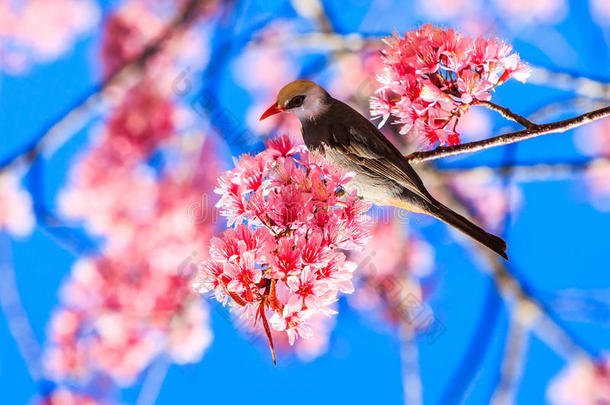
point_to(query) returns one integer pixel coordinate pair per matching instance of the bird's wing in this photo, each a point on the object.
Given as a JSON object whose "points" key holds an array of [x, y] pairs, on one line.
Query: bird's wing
{"points": [[364, 145]]}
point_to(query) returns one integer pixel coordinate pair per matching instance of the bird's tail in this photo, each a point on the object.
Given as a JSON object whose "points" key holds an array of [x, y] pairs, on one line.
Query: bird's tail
{"points": [[459, 222]]}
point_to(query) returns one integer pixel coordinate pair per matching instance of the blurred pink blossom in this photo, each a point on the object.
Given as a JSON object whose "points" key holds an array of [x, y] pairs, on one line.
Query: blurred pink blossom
{"points": [[489, 198], [432, 76], [600, 12], [134, 302], [16, 216], [281, 261], [597, 176], [42, 30], [131, 302], [65, 396], [388, 272], [594, 140], [116, 318], [138, 24], [581, 383], [127, 32], [475, 125], [262, 70], [142, 120]]}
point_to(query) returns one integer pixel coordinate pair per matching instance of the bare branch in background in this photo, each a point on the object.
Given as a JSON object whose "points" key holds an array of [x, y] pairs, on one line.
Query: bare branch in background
{"points": [[78, 115], [332, 42], [580, 85], [532, 171], [16, 316], [513, 291], [514, 358], [409, 358], [506, 139], [313, 10], [151, 387]]}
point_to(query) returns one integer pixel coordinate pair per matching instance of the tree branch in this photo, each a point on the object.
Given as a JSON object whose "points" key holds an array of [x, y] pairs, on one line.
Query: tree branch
{"points": [[506, 113], [506, 139], [314, 10], [409, 359]]}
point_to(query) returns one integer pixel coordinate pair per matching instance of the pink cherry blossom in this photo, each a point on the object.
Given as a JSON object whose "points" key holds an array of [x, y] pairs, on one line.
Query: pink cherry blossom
{"points": [[581, 383], [281, 261], [127, 32], [16, 216], [116, 319], [431, 77], [292, 320], [143, 119], [65, 396]]}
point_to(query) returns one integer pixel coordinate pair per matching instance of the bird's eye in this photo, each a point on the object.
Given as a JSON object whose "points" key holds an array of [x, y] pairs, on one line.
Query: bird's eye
{"points": [[296, 101]]}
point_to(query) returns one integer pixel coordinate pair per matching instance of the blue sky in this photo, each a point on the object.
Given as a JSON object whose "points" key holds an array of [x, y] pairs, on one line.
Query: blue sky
{"points": [[558, 241]]}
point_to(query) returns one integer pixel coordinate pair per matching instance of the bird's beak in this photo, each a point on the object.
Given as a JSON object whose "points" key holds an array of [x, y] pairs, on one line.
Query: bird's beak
{"points": [[274, 109]]}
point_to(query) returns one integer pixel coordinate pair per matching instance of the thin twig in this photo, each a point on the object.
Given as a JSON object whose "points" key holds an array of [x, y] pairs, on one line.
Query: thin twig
{"points": [[506, 139], [580, 85], [513, 361], [506, 113], [151, 387], [15, 314], [314, 10]]}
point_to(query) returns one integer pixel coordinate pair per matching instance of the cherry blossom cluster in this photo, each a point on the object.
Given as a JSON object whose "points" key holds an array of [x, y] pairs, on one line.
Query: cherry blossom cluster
{"points": [[123, 307], [281, 260], [16, 216], [134, 187], [431, 77], [389, 269], [42, 30], [119, 316], [305, 350], [581, 383]]}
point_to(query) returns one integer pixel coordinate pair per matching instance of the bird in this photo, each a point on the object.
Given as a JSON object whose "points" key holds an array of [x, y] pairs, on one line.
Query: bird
{"points": [[383, 175]]}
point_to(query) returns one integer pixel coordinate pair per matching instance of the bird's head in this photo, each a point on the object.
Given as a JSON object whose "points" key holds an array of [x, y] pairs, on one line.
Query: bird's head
{"points": [[303, 98]]}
